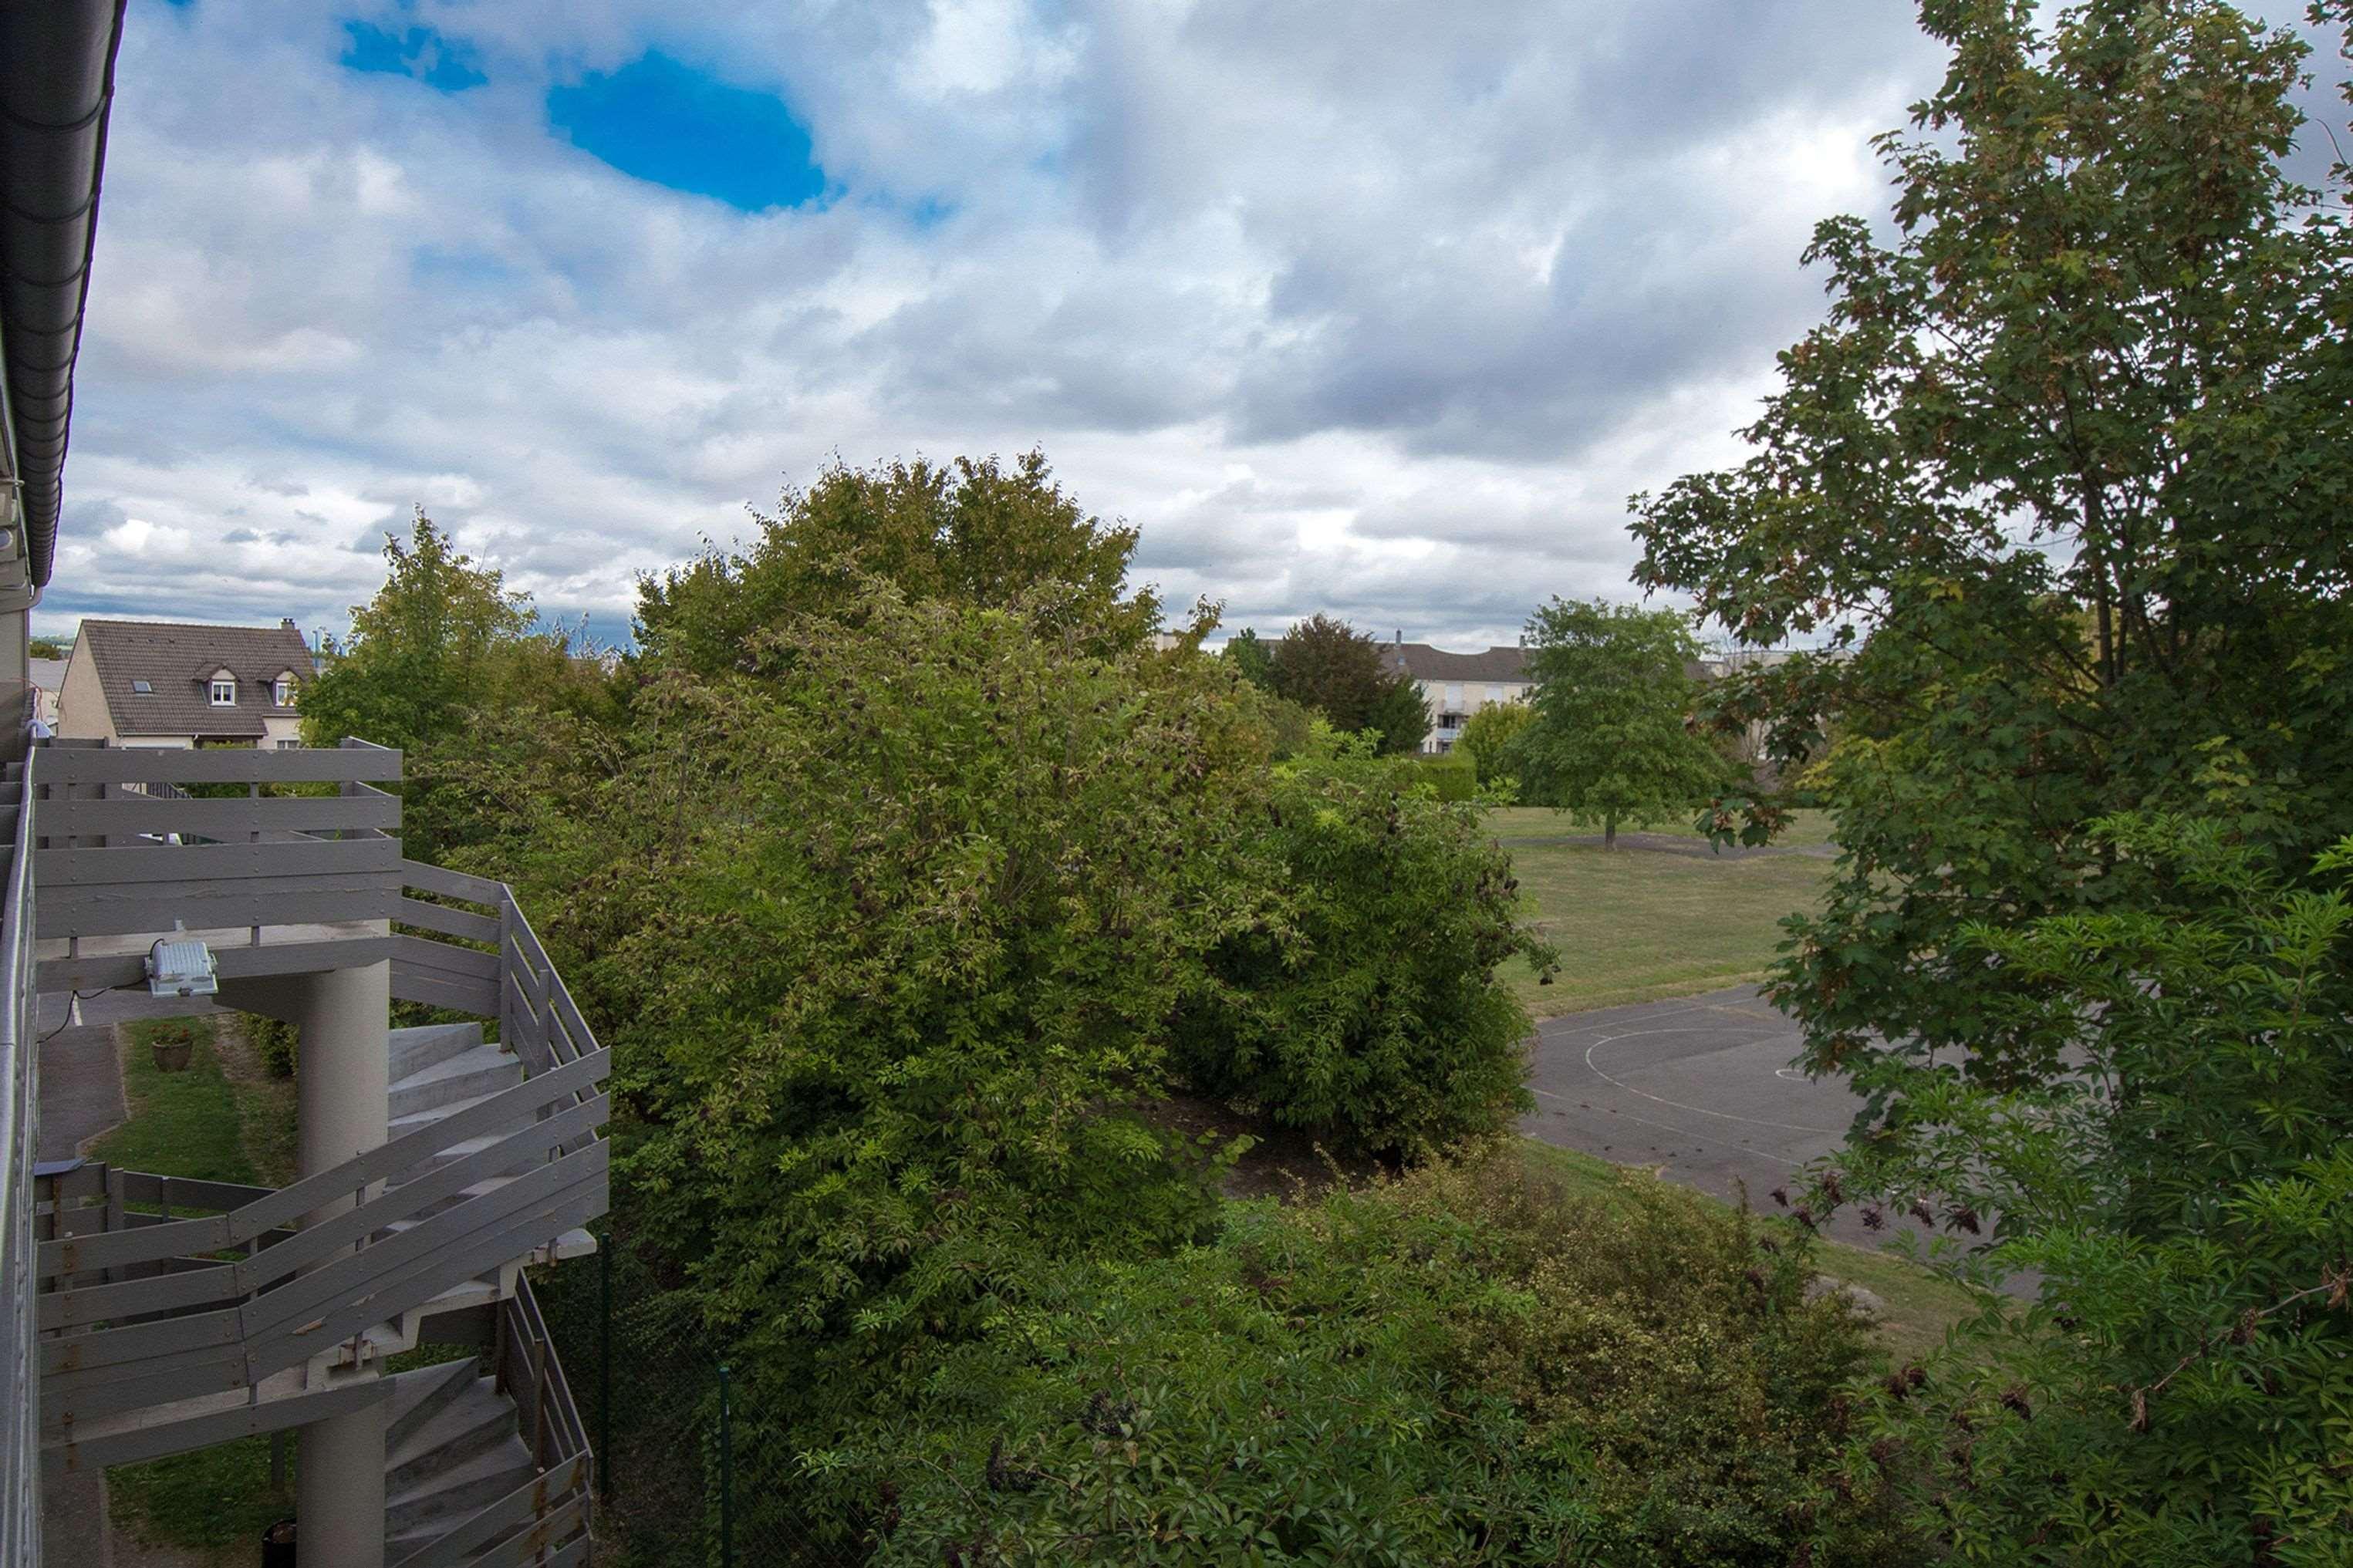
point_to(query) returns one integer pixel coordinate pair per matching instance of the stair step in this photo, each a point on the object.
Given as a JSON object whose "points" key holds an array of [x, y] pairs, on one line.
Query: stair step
{"points": [[419, 1396], [470, 1075], [457, 1150], [414, 1049], [436, 1505], [412, 1121], [479, 1418]]}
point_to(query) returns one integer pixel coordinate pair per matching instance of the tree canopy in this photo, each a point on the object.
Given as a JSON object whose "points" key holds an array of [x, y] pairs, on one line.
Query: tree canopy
{"points": [[1610, 737], [1326, 663], [2062, 480], [422, 652], [973, 531]]}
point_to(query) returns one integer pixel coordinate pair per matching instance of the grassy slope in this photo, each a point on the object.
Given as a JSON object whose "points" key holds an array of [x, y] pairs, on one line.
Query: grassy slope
{"points": [[1920, 1306]]}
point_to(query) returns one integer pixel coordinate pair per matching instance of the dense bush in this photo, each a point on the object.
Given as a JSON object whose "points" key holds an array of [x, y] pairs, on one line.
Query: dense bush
{"points": [[1487, 734], [1368, 1009], [1454, 779], [273, 1042], [2177, 1394], [1458, 1367]]}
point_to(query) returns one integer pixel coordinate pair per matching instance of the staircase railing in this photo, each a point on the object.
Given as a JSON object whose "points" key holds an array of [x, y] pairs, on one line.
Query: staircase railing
{"points": [[118, 1345], [555, 1505]]}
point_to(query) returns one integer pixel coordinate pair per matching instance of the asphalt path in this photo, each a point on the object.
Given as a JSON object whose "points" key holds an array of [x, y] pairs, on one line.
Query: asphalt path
{"points": [[1700, 1088]]}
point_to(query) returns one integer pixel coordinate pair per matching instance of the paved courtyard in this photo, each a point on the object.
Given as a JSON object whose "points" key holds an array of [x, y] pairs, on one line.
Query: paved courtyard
{"points": [[1701, 1087]]}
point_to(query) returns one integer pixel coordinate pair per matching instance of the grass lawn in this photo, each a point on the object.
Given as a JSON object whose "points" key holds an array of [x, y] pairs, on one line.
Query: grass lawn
{"points": [[181, 1123], [1635, 925], [1921, 1305], [220, 1120], [1513, 824]]}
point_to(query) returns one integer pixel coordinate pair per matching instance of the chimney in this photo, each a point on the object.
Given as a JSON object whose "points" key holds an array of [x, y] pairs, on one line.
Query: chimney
{"points": [[286, 624], [1400, 636]]}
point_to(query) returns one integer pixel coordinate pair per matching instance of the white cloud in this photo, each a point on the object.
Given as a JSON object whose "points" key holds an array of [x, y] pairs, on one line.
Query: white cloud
{"points": [[1375, 308]]}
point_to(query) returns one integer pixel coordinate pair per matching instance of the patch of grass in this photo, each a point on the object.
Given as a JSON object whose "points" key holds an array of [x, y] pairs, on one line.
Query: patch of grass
{"points": [[1512, 824], [268, 1107], [216, 1500], [1921, 1305], [1634, 926], [181, 1123]]}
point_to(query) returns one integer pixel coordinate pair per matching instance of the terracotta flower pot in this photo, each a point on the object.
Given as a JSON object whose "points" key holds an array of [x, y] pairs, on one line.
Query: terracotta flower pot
{"points": [[172, 1048]]}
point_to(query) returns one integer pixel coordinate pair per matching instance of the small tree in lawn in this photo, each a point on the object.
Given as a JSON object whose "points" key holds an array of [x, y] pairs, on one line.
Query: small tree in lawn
{"points": [[1611, 739], [1487, 738]]}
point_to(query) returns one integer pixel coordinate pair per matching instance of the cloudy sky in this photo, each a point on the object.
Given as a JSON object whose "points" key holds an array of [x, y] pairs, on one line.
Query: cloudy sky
{"points": [[1379, 307]]}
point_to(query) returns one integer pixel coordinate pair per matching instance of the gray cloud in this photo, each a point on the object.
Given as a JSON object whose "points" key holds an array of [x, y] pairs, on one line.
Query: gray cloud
{"points": [[1357, 305]]}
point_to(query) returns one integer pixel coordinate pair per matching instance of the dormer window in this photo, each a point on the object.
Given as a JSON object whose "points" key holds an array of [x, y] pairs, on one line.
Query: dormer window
{"points": [[224, 690], [282, 691]]}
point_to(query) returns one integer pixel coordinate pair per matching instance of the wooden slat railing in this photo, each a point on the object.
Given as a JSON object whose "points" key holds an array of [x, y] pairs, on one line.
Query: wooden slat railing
{"points": [[133, 1342], [125, 848], [556, 1505]]}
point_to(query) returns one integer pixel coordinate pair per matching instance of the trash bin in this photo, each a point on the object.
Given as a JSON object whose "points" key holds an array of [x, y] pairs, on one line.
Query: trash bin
{"points": [[278, 1546]]}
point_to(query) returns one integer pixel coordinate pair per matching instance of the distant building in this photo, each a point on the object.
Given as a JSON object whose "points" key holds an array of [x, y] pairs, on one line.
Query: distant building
{"points": [[171, 684], [1456, 685]]}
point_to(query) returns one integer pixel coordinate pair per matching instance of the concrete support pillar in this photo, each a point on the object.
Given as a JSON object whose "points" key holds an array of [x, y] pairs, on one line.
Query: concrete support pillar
{"points": [[343, 1018], [339, 1490]]}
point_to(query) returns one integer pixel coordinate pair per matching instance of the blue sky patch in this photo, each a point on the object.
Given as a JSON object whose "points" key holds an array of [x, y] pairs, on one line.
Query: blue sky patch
{"points": [[446, 64], [658, 120]]}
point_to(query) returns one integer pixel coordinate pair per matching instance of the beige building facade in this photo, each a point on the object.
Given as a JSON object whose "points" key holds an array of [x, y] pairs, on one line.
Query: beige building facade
{"points": [[1456, 685]]}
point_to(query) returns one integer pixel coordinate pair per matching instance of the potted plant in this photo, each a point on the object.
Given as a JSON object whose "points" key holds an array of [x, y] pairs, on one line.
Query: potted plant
{"points": [[173, 1044]]}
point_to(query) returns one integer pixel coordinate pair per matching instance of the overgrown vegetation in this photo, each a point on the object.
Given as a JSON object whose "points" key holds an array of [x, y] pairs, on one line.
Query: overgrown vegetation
{"points": [[2064, 476], [1461, 1366]]}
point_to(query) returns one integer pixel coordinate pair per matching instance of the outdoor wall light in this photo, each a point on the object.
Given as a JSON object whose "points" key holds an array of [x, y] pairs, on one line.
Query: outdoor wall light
{"points": [[180, 969]]}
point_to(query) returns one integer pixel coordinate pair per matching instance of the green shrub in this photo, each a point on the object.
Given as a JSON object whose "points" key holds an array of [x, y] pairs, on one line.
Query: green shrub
{"points": [[1369, 1009], [1458, 1367], [273, 1041], [1455, 778]]}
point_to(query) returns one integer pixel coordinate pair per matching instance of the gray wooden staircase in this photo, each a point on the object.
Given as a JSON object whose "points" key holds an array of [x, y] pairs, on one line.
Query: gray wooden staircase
{"points": [[174, 1314]]}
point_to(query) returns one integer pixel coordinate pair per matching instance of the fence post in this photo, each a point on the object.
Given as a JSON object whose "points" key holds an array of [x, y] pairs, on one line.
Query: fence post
{"points": [[726, 1477], [604, 1368]]}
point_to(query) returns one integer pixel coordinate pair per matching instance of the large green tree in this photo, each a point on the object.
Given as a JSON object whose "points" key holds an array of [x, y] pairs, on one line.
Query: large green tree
{"points": [[2062, 481], [1611, 739], [973, 531], [424, 651], [1326, 663]]}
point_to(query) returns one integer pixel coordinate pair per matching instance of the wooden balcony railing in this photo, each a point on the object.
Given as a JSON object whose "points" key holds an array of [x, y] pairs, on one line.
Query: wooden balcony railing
{"points": [[134, 842]]}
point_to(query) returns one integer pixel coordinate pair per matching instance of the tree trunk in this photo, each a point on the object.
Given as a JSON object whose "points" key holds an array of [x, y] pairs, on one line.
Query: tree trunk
{"points": [[1610, 830]]}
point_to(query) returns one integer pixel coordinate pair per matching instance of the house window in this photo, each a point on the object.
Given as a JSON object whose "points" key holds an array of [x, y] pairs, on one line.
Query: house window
{"points": [[143, 687], [282, 693], [223, 691], [1449, 721], [1453, 698]]}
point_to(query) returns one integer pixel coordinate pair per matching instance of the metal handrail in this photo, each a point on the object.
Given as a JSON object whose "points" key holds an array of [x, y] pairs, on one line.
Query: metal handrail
{"points": [[20, 1512]]}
